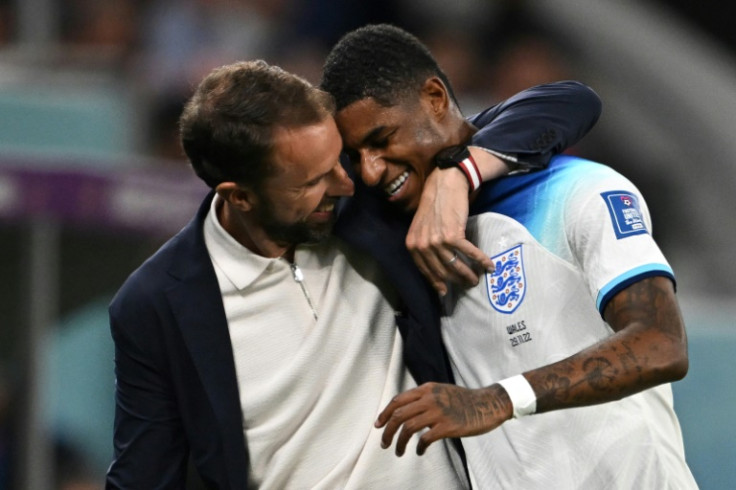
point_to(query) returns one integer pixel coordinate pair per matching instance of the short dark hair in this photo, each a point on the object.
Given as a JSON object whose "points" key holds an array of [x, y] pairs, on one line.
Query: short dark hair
{"points": [[226, 127], [380, 61]]}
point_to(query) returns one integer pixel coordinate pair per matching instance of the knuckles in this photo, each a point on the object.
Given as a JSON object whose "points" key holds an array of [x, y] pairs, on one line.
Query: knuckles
{"points": [[411, 426], [427, 387]]}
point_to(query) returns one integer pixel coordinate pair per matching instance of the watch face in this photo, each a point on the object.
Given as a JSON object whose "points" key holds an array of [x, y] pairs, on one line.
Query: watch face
{"points": [[451, 156]]}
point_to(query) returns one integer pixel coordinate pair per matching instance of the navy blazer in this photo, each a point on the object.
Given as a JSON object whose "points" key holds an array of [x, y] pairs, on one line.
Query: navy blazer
{"points": [[176, 389]]}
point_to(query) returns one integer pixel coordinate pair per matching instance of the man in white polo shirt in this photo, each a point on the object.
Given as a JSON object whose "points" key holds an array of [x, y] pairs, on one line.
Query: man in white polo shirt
{"points": [[307, 324]]}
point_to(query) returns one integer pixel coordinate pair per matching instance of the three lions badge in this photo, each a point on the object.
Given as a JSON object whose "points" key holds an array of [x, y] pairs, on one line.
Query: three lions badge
{"points": [[506, 285]]}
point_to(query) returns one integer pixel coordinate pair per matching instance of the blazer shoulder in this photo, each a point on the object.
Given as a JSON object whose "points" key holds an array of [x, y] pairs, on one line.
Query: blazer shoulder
{"points": [[149, 282]]}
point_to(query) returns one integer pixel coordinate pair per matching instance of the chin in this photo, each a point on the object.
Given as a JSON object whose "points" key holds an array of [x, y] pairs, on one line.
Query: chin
{"points": [[404, 207], [318, 235], [410, 209], [409, 204]]}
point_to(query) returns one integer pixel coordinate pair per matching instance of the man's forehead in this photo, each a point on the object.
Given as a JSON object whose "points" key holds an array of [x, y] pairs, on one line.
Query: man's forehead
{"points": [[366, 106], [307, 149], [285, 135], [361, 119]]}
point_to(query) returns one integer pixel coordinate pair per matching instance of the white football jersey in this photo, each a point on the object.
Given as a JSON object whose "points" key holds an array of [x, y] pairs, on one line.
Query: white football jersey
{"points": [[564, 241]]}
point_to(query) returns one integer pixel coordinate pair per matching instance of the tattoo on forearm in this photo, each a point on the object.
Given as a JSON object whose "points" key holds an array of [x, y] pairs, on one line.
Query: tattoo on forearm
{"points": [[556, 387], [600, 374], [625, 364], [628, 359]]}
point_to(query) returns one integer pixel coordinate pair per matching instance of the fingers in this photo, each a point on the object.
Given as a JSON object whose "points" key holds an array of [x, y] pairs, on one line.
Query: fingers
{"points": [[462, 263], [457, 270], [401, 409], [396, 403], [412, 412], [475, 263], [411, 418], [434, 249], [460, 271], [423, 264], [475, 255], [440, 411], [438, 227], [427, 438], [413, 425], [435, 431]]}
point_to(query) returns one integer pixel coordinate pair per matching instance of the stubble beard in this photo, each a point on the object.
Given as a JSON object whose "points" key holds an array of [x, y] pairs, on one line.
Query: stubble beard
{"points": [[286, 234]]}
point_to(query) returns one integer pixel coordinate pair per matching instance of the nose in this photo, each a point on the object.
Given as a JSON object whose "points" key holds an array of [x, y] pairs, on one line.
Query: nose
{"points": [[372, 168], [340, 183]]}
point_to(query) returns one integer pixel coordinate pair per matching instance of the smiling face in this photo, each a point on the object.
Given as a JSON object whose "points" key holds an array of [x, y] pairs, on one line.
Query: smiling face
{"points": [[392, 147], [296, 204]]}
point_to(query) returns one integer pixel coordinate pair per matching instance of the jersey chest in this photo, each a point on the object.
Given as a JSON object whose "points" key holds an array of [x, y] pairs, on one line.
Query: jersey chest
{"points": [[533, 309]]}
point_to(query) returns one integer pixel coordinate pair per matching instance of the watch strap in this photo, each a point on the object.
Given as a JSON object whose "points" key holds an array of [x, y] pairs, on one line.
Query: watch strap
{"points": [[470, 169]]}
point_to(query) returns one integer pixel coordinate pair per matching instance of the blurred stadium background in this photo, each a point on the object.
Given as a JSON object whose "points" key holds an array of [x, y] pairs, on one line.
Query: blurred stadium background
{"points": [[92, 179]]}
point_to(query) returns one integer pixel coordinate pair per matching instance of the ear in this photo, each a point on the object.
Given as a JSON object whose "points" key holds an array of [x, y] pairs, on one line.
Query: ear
{"points": [[436, 97], [237, 196]]}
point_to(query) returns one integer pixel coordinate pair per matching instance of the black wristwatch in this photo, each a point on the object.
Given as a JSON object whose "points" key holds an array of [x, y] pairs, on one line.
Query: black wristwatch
{"points": [[459, 156]]}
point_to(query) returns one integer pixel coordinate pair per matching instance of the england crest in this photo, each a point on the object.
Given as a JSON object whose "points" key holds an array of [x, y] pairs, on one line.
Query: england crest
{"points": [[506, 285]]}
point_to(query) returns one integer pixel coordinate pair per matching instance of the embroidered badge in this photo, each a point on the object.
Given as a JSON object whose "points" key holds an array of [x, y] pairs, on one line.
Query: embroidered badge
{"points": [[625, 213], [506, 285]]}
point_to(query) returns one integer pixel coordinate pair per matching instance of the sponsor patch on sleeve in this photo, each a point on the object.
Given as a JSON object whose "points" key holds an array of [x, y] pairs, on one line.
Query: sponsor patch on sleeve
{"points": [[625, 214]]}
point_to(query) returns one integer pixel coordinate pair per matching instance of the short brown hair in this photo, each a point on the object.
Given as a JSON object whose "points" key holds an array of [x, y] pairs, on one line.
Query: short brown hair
{"points": [[226, 127]]}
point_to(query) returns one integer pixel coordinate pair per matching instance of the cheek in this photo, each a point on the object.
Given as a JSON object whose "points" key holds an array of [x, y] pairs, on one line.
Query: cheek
{"points": [[422, 159], [310, 200], [291, 209], [427, 141]]}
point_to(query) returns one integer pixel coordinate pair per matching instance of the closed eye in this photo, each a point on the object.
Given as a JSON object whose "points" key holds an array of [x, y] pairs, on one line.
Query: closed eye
{"points": [[381, 142], [314, 182]]}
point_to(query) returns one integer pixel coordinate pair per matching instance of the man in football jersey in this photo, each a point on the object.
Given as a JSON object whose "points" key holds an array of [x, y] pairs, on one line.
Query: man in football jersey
{"points": [[564, 353]]}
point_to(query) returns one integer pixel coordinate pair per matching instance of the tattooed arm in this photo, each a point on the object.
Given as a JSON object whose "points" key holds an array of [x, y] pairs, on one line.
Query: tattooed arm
{"points": [[648, 348]]}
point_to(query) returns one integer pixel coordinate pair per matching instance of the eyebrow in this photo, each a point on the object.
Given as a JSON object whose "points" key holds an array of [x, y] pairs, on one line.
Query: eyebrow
{"points": [[373, 134], [320, 176]]}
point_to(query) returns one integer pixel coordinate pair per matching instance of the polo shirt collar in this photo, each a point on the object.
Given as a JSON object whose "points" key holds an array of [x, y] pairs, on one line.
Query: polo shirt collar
{"points": [[240, 265]]}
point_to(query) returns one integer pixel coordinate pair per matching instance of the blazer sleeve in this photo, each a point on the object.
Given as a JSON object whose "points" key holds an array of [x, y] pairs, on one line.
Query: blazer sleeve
{"points": [[539, 122], [150, 448]]}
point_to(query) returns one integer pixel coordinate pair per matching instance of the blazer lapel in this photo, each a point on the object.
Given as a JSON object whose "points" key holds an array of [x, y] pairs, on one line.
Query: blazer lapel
{"points": [[371, 225], [196, 302]]}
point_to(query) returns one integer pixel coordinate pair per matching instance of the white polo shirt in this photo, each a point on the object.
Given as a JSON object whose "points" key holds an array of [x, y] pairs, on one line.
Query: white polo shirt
{"points": [[311, 389]]}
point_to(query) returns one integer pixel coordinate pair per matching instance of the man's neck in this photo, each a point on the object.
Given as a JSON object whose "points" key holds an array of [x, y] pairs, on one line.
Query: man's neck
{"points": [[465, 132], [458, 129], [249, 234]]}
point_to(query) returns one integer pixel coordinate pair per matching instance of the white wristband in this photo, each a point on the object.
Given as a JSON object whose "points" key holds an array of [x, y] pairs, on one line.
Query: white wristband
{"points": [[521, 394], [470, 169]]}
